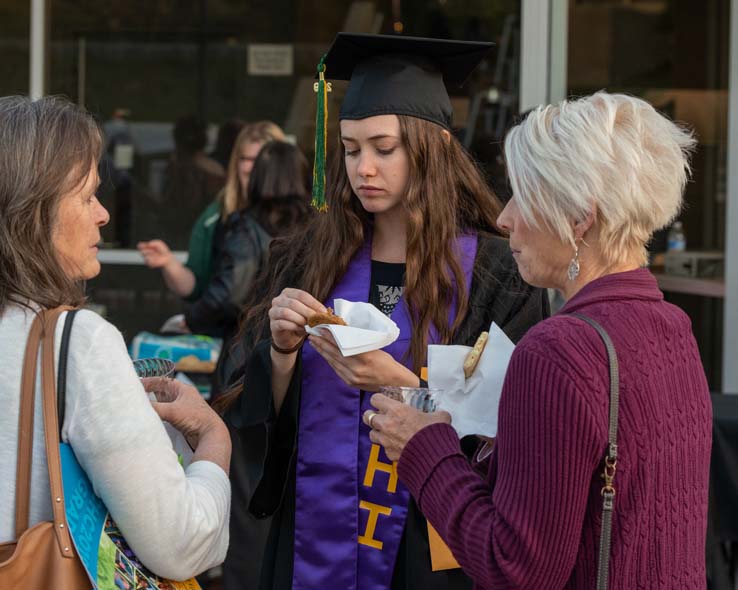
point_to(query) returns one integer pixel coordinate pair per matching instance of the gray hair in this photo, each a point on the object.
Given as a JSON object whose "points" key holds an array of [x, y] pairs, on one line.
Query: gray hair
{"points": [[611, 152], [46, 149]]}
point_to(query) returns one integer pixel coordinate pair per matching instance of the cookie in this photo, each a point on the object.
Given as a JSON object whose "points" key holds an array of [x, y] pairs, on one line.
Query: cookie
{"points": [[472, 359], [325, 318]]}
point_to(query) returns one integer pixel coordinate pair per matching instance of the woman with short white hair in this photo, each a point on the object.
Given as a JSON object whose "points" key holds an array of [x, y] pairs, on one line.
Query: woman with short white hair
{"points": [[576, 491]]}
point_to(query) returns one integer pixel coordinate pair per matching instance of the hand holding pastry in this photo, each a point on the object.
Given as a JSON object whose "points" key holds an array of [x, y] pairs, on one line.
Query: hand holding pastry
{"points": [[326, 318], [289, 315]]}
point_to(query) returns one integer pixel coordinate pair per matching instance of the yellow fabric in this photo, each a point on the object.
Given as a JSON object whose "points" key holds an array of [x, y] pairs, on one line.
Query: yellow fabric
{"points": [[441, 556]]}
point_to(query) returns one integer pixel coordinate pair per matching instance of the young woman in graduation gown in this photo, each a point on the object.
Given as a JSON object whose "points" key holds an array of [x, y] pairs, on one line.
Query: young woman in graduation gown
{"points": [[409, 227]]}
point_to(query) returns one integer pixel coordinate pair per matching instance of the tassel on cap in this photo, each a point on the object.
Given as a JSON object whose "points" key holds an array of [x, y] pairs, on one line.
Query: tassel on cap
{"points": [[321, 136]]}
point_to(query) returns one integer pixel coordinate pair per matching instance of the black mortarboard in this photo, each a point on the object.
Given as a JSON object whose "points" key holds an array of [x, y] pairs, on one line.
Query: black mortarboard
{"points": [[391, 75], [400, 75]]}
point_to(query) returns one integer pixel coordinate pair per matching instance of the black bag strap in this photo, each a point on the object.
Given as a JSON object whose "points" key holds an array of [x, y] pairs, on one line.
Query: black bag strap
{"points": [[611, 456], [61, 375]]}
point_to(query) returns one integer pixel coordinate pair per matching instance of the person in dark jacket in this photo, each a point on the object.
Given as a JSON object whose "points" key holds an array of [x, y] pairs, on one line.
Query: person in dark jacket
{"points": [[189, 280], [409, 227], [277, 202]]}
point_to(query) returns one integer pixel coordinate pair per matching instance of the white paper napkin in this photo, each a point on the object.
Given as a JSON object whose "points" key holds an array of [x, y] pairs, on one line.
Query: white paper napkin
{"points": [[473, 402], [368, 328]]}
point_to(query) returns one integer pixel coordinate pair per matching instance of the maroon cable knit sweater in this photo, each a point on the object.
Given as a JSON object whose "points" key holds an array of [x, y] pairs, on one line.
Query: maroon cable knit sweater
{"points": [[535, 521]]}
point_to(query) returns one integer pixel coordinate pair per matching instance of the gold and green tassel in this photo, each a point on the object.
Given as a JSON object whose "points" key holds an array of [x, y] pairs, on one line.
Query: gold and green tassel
{"points": [[321, 136]]}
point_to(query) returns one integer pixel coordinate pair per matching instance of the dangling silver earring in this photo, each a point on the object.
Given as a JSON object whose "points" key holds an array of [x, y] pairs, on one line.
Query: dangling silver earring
{"points": [[573, 271]]}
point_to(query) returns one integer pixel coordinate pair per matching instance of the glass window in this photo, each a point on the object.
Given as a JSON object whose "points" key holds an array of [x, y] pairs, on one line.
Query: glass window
{"points": [[139, 66], [15, 19], [142, 67], [673, 53]]}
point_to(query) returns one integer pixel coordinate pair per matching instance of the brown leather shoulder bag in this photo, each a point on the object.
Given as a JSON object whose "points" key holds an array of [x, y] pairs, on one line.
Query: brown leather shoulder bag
{"points": [[43, 556]]}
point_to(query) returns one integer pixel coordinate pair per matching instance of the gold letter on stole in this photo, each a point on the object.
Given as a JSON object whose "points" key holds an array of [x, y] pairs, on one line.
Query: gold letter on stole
{"points": [[371, 525], [375, 465]]}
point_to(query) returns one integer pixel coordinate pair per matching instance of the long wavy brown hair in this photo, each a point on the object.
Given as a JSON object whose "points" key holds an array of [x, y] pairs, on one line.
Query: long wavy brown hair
{"points": [[447, 196]]}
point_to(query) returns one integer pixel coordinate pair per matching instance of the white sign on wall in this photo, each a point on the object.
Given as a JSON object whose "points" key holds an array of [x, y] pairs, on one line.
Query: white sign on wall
{"points": [[271, 59]]}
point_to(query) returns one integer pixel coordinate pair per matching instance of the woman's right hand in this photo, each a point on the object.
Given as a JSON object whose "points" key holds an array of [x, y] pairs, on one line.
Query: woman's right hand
{"points": [[289, 314], [156, 253]]}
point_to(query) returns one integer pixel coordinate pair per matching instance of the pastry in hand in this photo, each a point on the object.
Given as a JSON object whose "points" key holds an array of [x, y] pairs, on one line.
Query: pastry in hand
{"points": [[326, 318], [472, 359]]}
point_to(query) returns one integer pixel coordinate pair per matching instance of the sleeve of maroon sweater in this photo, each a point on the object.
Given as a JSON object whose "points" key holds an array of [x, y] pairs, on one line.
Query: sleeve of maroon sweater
{"points": [[523, 529]]}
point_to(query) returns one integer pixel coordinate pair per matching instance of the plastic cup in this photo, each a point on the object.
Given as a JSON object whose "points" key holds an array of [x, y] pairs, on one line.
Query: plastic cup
{"points": [[153, 368], [420, 398]]}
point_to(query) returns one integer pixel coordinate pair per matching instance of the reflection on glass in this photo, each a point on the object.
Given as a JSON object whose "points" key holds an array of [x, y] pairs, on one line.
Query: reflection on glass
{"points": [[674, 54]]}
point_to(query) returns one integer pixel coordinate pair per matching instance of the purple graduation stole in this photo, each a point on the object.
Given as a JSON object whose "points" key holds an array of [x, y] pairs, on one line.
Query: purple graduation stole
{"points": [[350, 508]]}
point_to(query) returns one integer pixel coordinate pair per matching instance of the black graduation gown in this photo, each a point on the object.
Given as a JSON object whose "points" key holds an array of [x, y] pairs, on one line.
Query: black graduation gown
{"points": [[497, 294]]}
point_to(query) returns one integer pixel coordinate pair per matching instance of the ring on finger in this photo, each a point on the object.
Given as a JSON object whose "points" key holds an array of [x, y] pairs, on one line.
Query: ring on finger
{"points": [[370, 420]]}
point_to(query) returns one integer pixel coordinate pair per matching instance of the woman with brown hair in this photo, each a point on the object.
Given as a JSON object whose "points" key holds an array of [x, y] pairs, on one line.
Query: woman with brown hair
{"points": [[409, 227], [50, 218]]}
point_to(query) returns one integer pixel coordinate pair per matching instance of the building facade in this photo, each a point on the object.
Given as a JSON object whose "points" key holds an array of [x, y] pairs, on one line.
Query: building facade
{"points": [[140, 66]]}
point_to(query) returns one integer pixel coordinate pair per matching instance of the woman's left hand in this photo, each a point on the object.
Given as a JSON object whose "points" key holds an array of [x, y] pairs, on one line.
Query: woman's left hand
{"points": [[367, 371], [184, 408], [395, 423]]}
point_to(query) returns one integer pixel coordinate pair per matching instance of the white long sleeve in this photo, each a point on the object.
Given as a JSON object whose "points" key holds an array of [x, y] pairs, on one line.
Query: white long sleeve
{"points": [[176, 521]]}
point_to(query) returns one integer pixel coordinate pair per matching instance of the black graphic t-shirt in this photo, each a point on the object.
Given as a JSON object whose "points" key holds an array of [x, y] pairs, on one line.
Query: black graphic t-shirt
{"points": [[388, 280]]}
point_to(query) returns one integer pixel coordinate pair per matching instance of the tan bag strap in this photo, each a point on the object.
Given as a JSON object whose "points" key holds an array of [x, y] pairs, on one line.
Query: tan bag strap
{"points": [[51, 431], [25, 429]]}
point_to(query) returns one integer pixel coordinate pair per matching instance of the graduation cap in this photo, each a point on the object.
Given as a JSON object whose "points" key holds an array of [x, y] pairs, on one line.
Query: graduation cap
{"points": [[394, 75]]}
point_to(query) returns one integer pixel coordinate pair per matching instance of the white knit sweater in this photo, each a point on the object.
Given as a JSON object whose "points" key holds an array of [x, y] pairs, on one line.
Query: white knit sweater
{"points": [[175, 520]]}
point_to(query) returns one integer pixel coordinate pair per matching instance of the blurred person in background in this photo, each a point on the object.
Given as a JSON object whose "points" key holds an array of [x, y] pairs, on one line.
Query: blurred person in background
{"points": [[192, 179], [277, 201], [190, 279], [278, 204]]}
